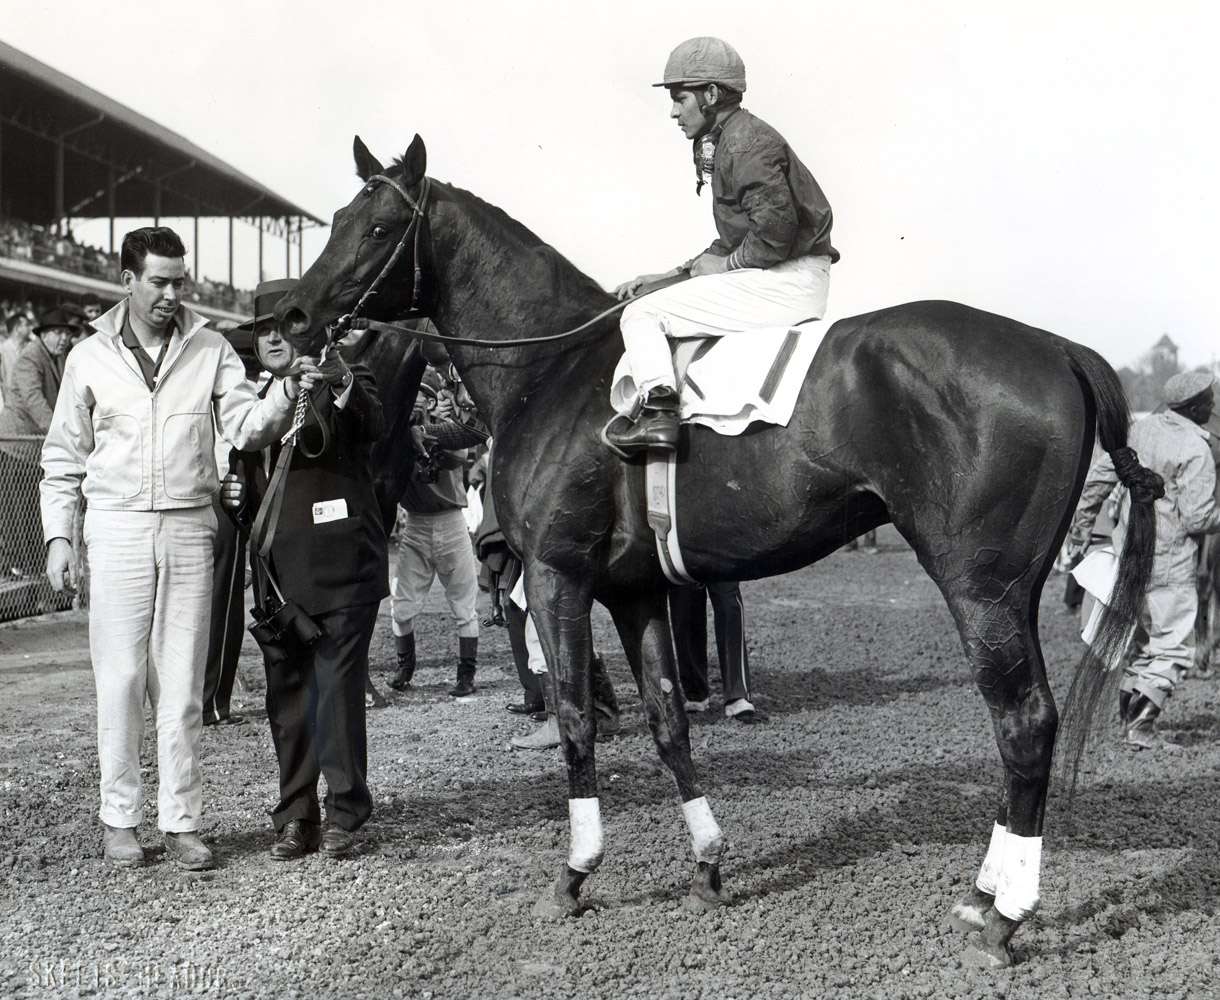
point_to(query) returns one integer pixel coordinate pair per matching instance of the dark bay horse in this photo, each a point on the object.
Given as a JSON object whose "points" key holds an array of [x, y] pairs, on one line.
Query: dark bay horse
{"points": [[970, 432]]}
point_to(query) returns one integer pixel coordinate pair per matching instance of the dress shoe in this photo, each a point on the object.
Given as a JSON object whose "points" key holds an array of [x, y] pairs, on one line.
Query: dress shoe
{"points": [[298, 838], [544, 738], [336, 841], [188, 851], [228, 720], [372, 697], [120, 847], [525, 707], [740, 709]]}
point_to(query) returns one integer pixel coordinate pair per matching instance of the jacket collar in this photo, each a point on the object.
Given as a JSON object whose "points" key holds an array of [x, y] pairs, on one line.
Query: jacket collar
{"points": [[1180, 421], [111, 323]]}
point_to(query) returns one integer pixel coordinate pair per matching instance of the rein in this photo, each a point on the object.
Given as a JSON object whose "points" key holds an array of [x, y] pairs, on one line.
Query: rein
{"points": [[354, 321]]}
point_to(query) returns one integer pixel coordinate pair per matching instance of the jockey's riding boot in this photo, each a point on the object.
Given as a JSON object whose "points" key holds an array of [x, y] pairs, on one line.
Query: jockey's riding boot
{"points": [[404, 646], [605, 704], [468, 652], [655, 427], [1142, 733]]}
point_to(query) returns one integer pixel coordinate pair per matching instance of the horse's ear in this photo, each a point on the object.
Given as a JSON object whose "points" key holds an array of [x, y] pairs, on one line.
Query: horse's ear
{"points": [[415, 160], [366, 163]]}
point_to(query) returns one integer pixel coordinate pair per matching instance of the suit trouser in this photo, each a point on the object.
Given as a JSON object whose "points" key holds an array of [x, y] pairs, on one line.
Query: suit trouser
{"points": [[149, 595], [688, 619], [1164, 642], [315, 705], [431, 546], [227, 626]]}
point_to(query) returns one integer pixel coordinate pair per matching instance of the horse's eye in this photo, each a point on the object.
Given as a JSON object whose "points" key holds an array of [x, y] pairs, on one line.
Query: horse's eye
{"points": [[380, 232]]}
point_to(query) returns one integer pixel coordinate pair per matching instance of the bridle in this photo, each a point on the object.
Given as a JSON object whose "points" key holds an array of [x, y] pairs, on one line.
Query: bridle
{"points": [[353, 320]]}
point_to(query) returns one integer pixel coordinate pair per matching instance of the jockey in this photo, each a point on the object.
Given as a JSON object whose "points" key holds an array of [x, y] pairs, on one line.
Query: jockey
{"points": [[770, 265]]}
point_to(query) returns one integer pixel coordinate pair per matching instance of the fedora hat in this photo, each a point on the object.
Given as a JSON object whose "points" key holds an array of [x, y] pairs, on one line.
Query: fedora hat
{"points": [[267, 295], [59, 318]]}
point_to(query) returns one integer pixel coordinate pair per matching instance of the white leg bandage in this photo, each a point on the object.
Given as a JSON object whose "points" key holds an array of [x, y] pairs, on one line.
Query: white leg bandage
{"points": [[1017, 897], [705, 835], [588, 846], [989, 875]]}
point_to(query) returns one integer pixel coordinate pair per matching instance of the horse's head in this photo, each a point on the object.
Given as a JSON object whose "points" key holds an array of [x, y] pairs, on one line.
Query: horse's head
{"points": [[375, 235]]}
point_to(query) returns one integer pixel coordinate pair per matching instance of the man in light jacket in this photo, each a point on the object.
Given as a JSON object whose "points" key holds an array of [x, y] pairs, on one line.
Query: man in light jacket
{"points": [[1174, 445], [132, 434]]}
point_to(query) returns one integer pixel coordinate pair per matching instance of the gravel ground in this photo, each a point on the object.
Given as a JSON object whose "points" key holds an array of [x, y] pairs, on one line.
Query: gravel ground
{"points": [[857, 809]]}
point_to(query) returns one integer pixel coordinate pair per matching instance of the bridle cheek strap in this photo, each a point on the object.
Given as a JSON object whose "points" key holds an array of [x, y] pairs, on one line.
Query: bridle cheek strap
{"points": [[413, 230]]}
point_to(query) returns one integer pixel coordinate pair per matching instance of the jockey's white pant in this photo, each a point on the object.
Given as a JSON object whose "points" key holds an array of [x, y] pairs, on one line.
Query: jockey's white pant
{"points": [[150, 602], [1164, 642], [748, 299], [431, 546]]}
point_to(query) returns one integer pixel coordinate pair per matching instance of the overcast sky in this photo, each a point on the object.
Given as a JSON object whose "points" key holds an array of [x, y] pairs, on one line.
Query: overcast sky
{"points": [[1056, 162]]}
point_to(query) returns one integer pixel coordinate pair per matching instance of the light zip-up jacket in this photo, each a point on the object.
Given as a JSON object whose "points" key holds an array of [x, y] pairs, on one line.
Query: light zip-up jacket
{"points": [[123, 446], [1176, 448]]}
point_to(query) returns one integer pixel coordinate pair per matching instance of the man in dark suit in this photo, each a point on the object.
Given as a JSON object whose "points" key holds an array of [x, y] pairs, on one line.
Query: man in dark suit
{"points": [[328, 554]]}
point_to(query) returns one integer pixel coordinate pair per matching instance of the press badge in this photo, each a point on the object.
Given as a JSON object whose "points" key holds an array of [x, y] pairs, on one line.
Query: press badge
{"points": [[329, 510]]}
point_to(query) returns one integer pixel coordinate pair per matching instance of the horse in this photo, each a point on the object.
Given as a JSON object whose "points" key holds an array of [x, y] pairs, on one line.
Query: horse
{"points": [[970, 432]]}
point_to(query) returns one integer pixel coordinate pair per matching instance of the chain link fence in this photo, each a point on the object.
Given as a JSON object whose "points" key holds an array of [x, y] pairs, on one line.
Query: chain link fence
{"points": [[24, 590]]}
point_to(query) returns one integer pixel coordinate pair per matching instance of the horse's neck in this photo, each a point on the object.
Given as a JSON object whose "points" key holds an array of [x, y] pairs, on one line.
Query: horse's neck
{"points": [[491, 285]]}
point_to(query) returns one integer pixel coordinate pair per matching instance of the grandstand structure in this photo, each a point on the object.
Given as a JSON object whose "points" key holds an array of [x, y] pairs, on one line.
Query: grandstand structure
{"points": [[70, 153]]}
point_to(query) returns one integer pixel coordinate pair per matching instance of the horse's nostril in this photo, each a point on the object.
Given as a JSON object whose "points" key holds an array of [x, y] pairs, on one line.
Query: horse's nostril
{"points": [[295, 320]]}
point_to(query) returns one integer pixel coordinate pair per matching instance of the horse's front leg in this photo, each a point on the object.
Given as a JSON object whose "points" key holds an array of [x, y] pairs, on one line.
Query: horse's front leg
{"points": [[560, 607], [643, 626]]}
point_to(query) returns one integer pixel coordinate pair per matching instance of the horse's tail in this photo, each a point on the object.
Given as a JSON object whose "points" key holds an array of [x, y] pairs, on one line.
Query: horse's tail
{"points": [[1098, 672]]}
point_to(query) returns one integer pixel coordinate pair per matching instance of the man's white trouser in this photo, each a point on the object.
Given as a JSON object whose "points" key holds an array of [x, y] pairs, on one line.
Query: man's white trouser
{"points": [[749, 299], [431, 546], [1164, 642], [150, 592]]}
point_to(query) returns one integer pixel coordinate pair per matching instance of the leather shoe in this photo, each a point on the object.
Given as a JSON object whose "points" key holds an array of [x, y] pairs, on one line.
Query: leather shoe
{"points": [[336, 842], [298, 838], [525, 707], [656, 427], [188, 851], [232, 719], [120, 847]]}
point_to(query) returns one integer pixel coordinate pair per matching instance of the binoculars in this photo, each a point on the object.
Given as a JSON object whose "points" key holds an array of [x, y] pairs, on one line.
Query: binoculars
{"points": [[282, 629]]}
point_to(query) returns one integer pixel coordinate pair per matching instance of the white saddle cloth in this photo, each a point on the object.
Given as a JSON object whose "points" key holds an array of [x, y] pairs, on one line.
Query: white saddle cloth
{"points": [[742, 377]]}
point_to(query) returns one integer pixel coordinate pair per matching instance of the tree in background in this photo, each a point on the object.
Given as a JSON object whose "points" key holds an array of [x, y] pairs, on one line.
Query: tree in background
{"points": [[1145, 383]]}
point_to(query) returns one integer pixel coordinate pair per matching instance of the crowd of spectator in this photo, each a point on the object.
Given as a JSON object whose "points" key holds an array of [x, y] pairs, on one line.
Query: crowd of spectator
{"points": [[39, 245]]}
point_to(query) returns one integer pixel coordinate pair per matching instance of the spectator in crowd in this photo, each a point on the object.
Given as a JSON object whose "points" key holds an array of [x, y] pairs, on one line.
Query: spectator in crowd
{"points": [[90, 306], [132, 435], [435, 541], [1174, 445], [688, 619], [31, 399], [328, 557], [16, 333]]}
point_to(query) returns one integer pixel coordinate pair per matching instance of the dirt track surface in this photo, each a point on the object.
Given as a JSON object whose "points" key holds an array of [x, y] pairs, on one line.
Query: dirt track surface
{"points": [[857, 809]]}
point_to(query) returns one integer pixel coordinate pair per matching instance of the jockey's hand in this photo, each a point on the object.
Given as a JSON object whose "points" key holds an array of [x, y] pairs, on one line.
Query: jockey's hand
{"points": [[445, 407], [232, 492], [630, 289], [708, 263], [306, 381], [61, 566], [330, 372]]}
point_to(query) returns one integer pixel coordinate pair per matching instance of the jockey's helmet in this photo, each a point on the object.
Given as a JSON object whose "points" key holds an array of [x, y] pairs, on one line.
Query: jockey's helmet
{"points": [[704, 60]]}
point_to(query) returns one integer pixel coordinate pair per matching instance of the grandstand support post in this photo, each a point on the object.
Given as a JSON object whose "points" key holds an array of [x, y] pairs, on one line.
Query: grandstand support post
{"points": [[231, 251], [59, 183], [110, 199], [196, 247], [287, 247], [300, 245], [157, 202]]}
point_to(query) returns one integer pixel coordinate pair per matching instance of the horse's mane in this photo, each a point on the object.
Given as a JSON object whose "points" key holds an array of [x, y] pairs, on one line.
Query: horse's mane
{"points": [[567, 280]]}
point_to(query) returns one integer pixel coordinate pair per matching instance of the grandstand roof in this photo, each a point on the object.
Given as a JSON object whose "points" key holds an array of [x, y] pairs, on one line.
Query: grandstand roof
{"points": [[156, 171]]}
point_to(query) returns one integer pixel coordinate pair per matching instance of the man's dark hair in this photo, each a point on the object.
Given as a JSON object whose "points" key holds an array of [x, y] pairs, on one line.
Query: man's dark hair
{"points": [[139, 243], [10, 324]]}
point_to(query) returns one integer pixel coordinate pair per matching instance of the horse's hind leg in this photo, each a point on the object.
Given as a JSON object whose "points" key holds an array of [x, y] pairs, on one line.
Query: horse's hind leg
{"points": [[643, 627], [999, 633]]}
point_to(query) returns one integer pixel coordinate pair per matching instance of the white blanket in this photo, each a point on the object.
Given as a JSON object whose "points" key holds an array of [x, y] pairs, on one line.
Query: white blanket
{"points": [[744, 377]]}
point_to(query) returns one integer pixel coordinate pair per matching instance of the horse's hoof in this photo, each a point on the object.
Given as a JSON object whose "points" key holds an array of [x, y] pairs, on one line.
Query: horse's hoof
{"points": [[554, 907], [981, 955], [966, 917], [703, 900]]}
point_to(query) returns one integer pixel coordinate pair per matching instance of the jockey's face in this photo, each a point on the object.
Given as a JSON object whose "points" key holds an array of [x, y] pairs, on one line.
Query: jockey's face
{"points": [[693, 110]]}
